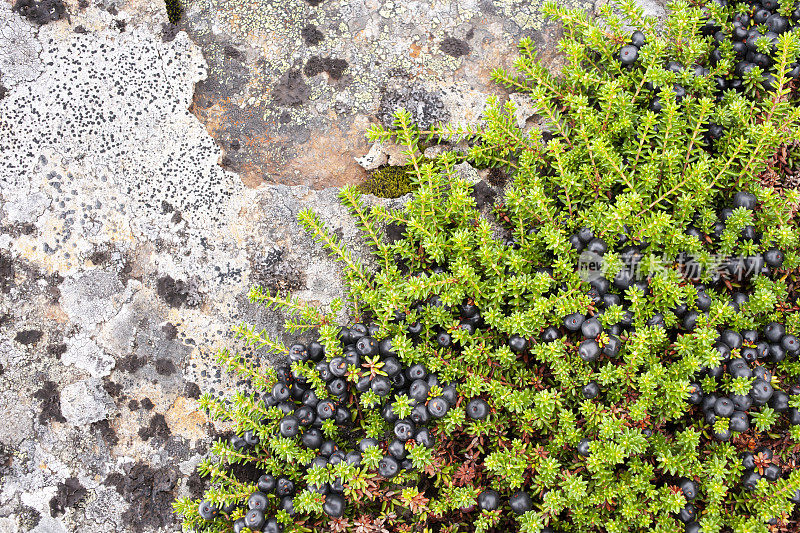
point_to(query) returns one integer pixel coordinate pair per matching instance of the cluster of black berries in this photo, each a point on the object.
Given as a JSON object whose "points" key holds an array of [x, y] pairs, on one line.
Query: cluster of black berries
{"points": [[758, 465], [688, 514], [744, 35], [742, 354], [519, 502], [734, 269], [772, 345], [303, 414]]}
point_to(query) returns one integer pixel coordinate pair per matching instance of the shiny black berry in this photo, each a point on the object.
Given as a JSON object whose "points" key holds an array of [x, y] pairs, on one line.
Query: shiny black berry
{"points": [[750, 480], [477, 409], [388, 467], [381, 385], [254, 519], [517, 343], [367, 346], [583, 447], [574, 321], [589, 350], [739, 422], [591, 390], [489, 500], [326, 409], [689, 489], [258, 500], [289, 426], [520, 502], [285, 487], [334, 505], [404, 429], [628, 54], [207, 510], [438, 407], [745, 199]]}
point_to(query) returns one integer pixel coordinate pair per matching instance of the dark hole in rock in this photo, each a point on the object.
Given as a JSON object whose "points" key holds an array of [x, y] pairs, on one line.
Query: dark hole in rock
{"points": [[171, 291], [291, 90], [196, 485], [315, 65], [170, 331], [311, 35], [146, 403], [98, 257], [497, 177], [42, 12], [131, 363], [192, 390], [106, 432], [112, 388], [149, 492], [50, 397], [157, 429], [28, 336], [395, 232], [165, 367], [483, 194], [232, 53], [454, 47], [68, 494], [335, 67], [6, 273], [57, 350]]}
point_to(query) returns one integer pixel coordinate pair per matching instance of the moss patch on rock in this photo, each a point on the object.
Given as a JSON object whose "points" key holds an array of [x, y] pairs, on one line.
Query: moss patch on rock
{"points": [[391, 181], [174, 10]]}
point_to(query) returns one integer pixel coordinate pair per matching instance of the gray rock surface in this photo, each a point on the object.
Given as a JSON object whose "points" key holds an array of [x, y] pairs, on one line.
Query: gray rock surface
{"points": [[293, 85], [128, 244], [85, 402]]}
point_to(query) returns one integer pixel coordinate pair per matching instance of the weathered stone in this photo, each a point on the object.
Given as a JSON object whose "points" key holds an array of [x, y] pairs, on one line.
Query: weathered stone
{"points": [[85, 402]]}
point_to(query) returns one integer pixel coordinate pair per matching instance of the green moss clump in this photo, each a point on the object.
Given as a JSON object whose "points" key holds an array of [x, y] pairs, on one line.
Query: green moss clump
{"points": [[174, 10], [389, 182]]}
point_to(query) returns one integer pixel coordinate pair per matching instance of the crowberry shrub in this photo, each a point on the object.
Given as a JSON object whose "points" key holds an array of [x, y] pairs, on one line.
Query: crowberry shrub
{"points": [[613, 348]]}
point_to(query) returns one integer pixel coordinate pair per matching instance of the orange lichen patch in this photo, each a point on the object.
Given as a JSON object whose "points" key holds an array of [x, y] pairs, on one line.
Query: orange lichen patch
{"points": [[329, 160], [56, 314], [185, 418], [211, 117], [415, 50]]}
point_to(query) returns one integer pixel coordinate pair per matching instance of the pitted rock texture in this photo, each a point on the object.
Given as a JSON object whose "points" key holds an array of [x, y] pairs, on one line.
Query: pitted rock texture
{"points": [[126, 254], [128, 245], [294, 84]]}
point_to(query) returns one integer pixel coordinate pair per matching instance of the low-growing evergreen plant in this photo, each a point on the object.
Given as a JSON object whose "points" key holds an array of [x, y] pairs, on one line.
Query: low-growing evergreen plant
{"points": [[611, 349]]}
